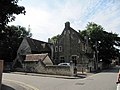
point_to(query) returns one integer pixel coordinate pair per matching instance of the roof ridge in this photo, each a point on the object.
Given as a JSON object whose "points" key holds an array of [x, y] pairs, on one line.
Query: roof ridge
{"points": [[45, 56]]}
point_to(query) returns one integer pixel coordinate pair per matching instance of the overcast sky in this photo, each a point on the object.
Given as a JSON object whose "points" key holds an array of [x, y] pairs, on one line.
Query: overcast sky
{"points": [[47, 17]]}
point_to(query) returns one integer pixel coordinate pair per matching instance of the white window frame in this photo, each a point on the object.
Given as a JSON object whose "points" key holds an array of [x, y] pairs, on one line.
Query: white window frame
{"points": [[60, 48], [56, 48]]}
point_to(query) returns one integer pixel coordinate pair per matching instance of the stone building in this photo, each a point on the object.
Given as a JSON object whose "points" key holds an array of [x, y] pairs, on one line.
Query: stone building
{"points": [[36, 57], [41, 63], [71, 47], [32, 46]]}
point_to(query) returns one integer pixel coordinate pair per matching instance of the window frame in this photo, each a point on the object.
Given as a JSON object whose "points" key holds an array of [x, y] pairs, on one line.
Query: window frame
{"points": [[60, 48], [56, 48]]}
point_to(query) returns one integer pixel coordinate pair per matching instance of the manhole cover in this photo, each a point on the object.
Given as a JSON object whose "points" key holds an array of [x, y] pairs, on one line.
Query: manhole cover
{"points": [[79, 83]]}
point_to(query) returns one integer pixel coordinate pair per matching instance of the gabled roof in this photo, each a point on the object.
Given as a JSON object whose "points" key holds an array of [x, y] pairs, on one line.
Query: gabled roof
{"points": [[78, 34], [68, 27], [39, 57], [38, 46]]}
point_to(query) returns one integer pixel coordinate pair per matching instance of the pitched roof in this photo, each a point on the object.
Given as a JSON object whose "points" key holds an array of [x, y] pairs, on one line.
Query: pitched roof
{"points": [[38, 46], [68, 27], [35, 57]]}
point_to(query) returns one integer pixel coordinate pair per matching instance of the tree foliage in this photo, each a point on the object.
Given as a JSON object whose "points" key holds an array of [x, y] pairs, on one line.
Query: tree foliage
{"points": [[8, 9], [11, 39], [10, 36], [104, 42], [54, 38]]}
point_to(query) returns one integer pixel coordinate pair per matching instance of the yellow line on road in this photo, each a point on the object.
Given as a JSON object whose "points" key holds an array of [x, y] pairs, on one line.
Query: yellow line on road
{"points": [[22, 83]]}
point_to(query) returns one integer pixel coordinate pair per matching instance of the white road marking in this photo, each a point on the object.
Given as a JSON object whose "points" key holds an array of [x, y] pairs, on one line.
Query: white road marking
{"points": [[118, 86], [22, 84]]}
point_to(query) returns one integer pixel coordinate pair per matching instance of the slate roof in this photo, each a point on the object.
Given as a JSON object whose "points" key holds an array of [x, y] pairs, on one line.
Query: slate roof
{"points": [[38, 46]]}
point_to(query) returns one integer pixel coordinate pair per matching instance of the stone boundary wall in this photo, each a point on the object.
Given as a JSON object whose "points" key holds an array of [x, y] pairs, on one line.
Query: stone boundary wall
{"points": [[58, 70], [40, 67], [1, 71]]}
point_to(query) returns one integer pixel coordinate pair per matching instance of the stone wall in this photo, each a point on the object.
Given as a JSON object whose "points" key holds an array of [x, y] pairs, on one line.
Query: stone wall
{"points": [[58, 70], [40, 67], [1, 71]]}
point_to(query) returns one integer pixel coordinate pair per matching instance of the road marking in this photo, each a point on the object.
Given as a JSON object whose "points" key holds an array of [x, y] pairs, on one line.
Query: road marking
{"points": [[22, 83], [90, 76], [118, 87]]}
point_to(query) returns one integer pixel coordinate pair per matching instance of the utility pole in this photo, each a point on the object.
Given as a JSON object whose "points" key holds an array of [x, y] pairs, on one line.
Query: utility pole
{"points": [[96, 44], [82, 65]]}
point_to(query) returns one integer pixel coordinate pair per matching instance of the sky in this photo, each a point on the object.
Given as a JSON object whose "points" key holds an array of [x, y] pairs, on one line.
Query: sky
{"points": [[46, 18]]}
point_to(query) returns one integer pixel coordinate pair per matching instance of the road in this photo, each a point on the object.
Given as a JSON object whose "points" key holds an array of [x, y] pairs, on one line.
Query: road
{"points": [[105, 80], [10, 85]]}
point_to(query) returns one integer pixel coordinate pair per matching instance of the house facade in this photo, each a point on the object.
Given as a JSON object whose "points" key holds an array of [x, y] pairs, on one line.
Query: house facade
{"points": [[32, 46], [71, 47], [37, 57]]}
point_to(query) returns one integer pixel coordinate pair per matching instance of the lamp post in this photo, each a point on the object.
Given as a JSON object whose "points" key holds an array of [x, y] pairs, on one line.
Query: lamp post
{"points": [[96, 55], [82, 65]]}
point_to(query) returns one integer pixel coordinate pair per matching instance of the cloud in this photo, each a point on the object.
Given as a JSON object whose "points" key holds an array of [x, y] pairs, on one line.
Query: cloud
{"points": [[109, 17], [47, 17]]}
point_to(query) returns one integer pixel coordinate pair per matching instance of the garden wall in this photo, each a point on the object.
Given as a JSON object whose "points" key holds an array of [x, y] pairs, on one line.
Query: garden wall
{"points": [[40, 67]]}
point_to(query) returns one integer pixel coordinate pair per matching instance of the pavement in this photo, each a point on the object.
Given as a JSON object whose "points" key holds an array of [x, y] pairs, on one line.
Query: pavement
{"points": [[78, 76], [15, 85]]}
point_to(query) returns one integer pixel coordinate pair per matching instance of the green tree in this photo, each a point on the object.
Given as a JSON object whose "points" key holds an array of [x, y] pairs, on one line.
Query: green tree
{"points": [[8, 9], [9, 36], [12, 37], [104, 42], [54, 38]]}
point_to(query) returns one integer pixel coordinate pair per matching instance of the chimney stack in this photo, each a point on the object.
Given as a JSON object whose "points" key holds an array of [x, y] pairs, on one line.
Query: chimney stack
{"points": [[67, 25]]}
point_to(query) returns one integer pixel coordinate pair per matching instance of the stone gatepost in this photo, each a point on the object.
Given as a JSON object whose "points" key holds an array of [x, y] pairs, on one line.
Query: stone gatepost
{"points": [[72, 68], [1, 71]]}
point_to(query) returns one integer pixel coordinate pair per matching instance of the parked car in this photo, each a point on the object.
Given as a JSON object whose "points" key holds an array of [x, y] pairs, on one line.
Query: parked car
{"points": [[64, 64]]}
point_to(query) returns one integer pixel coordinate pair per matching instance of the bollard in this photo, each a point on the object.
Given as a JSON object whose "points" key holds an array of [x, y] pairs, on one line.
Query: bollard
{"points": [[71, 68], [75, 71]]}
